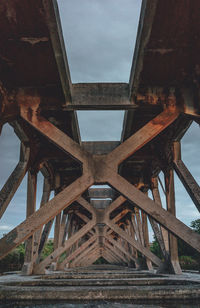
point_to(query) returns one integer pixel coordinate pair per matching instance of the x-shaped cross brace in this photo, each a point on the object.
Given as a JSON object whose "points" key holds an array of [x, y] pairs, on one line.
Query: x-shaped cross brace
{"points": [[98, 169]]}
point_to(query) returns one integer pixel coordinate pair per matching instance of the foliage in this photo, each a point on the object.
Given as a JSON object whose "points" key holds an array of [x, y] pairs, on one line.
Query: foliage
{"points": [[48, 249], [189, 258], [155, 248], [101, 260], [14, 260], [195, 224], [188, 263]]}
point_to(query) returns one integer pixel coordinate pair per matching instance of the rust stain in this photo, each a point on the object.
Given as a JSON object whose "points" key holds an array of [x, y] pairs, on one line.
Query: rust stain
{"points": [[30, 114], [10, 13], [34, 40], [161, 51]]}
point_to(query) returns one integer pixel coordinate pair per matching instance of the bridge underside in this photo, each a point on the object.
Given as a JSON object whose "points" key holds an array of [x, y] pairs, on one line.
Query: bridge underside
{"points": [[39, 100]]}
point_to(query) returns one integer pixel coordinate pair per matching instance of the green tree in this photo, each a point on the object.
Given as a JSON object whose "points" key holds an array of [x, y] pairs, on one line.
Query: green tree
{"points": [[195, 224]]}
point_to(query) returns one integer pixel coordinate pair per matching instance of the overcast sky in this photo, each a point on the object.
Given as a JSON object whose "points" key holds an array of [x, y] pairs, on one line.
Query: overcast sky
{"points": [[100, 37]]}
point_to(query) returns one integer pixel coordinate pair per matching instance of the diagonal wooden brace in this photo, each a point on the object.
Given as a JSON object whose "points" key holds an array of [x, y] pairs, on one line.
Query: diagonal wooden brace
{"points": [[44, 214], [56, 253], [166, 219], [15, 179]]}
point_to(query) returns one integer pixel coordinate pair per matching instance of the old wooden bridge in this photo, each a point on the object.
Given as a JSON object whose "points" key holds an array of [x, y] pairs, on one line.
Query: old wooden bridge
{"points": [[39, 100]]}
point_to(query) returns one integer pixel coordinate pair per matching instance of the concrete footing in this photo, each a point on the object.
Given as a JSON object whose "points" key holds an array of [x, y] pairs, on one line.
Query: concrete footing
{"points": [[99, 283]]}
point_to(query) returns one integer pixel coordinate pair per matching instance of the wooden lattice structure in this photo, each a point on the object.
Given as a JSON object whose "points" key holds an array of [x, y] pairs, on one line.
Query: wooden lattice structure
{"points": [[39, 100]]}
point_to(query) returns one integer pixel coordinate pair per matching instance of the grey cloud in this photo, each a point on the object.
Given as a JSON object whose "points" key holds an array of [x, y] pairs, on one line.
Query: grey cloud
{"points": [[101, 126], [100, 37]]}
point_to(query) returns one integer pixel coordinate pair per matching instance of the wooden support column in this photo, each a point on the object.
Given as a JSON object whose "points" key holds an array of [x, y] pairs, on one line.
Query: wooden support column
{"points": [[185, 176], [53, 266], [146, 238], [30, 209], [40, 268], [37, 235], [44, 238], [68, 230], [14, 180], [139, 226], [134, 226], [132, 234], [163, 237], [57, 226], [134, 254], [170, 199], [160, 233], [44, 214], [127, 245]]}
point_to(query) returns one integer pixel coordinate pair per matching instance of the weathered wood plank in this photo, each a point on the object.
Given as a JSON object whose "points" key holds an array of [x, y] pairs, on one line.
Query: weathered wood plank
{"points": [[45, 198], [84, 253], [101, 193], [115, 204], [14, 180], [161, 233], [116, 244], [44, 214], [76, 252], [171, 207], [116, 252], [113, 254], [144, 30], [146, 238], [162, 216], [99, 147], [39, 268], [55, 29], [186, 178], [134, 243], [54, 134], [142, 136], [101, 96], [30, 209], [86, 205]]}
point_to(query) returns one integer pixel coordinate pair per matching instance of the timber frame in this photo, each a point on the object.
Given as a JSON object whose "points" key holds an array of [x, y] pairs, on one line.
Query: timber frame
{"points": [[92, 222]]}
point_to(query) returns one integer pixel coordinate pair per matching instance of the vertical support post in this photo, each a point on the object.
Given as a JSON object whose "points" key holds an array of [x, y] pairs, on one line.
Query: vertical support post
{"points": [[146, 238], [38, 233], [139, 226], [57, 226], [30, 209], [170, 199], [161, 233], [185, 176], [157, 199], [134, 251]]}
